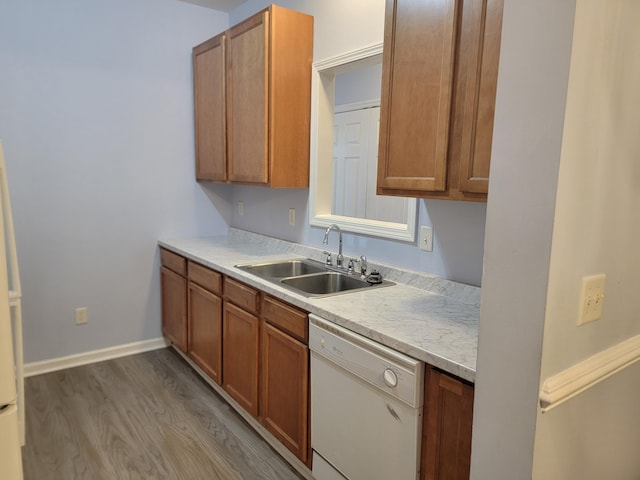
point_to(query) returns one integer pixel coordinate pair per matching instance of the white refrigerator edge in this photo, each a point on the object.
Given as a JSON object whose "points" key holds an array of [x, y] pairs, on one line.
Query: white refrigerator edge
{"points": [[11, 416]]}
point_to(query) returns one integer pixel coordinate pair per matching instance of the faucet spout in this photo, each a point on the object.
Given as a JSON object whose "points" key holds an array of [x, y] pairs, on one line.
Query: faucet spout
{"points": [[325, 241]]}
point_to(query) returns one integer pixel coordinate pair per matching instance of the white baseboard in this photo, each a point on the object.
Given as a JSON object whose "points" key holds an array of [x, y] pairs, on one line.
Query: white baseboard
{"points": [[46, 366]]}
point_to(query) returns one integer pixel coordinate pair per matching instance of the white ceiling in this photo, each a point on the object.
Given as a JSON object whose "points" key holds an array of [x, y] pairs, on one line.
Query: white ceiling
{"points": [[222, 5]]}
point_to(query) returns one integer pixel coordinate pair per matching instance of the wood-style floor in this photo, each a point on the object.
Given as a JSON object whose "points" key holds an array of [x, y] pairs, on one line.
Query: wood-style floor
{"points": [[146, 416]]}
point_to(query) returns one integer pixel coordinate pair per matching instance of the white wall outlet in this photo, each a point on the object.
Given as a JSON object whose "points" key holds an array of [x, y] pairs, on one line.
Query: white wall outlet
{"points": [[292, 216], [241, 208], [81, 316], [591, 298], [426, 239]]}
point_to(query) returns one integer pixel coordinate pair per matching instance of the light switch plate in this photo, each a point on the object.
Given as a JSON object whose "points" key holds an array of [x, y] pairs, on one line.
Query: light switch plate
{"points": [[591, 298], [81, 316], [292, 216], [426, 238]]}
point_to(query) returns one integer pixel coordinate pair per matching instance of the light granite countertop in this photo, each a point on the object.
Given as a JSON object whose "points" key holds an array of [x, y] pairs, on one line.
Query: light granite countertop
{"points": [[424, 316]]}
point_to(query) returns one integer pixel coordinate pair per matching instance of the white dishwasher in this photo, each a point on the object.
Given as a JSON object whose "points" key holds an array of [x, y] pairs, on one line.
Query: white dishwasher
{"points": [[366, 407]]}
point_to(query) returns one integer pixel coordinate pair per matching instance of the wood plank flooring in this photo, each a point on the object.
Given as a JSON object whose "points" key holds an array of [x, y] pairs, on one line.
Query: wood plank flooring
{"points": [[146, 416]]}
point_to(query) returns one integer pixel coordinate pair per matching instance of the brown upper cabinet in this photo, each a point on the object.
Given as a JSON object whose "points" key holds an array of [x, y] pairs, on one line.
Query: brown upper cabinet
{"points": [[440, 69], [252, 95], [210, 110]]}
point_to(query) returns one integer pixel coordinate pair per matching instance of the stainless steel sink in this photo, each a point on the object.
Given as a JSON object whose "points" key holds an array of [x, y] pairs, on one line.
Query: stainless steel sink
{"points": [[284, 268], [309, 277], [326, 283]]}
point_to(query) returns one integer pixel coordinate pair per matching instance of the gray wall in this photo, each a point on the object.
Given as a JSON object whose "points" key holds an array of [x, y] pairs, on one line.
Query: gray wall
{"points": [[359, 85], [532, 86], [595, 231], [96, 120]]}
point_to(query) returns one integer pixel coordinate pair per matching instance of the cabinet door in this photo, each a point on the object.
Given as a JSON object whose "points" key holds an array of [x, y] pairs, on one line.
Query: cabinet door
{"points": [[285, 379], [446, 435], [479, 52], [247, 107], [291, 53], [417, 87], [285, 383], [174, 307], [240, 343], [210, 109], [205, 331]]}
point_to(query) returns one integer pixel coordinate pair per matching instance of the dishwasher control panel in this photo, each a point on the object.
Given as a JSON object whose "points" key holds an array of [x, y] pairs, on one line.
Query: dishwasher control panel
{"points": [[393, 372]]}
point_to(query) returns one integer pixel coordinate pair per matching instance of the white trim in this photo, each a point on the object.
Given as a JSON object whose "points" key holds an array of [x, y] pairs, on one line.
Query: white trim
{"points": [[345, 59], [394, 231], [584, 375], [319, 201], [46, 366], [361, 105]]}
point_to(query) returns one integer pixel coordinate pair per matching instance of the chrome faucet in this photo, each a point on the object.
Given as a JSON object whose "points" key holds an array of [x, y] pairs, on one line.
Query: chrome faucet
{"points": [[363, 265], [325, 241]]}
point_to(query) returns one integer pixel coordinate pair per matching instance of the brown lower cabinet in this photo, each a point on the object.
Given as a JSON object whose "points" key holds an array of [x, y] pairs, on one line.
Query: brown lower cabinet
{"points": [[253, 345], [241, 335], [446, 432], [205, 331], [241, 344], [173, 286], [284, 396], [205, 319], [256, 347]]}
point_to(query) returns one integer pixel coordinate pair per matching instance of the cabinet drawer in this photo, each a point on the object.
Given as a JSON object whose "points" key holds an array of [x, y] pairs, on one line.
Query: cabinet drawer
{"points": [[287, 318], [205, 277], [242, 295], [173, 262]]}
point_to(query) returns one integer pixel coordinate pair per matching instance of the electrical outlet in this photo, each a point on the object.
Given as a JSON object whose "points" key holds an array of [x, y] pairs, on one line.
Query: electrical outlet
{"points": [[292, 216], [591, 298], [426, 239], [81, 316], [241, 208]]}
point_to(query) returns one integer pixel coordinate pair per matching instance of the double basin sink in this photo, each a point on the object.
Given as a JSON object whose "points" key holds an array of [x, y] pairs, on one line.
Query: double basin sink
{"points": [[310, 277]]}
